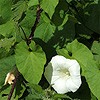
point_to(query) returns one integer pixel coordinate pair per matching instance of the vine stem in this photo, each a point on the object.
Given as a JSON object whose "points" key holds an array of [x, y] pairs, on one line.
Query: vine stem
{"points": [[38, 14], [13, 86]]}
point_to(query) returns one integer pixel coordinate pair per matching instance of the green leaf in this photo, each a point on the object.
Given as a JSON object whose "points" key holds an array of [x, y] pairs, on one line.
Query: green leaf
{"points": [[7, 29], [6, 65], [5, 10], [36, 92], [79, 51], [18, 9], [92, 74], [76, 50], [29, 20], [7, 43], [3, 53], [33, 2], [30, 63], [89, 67], [49, 6], [4, 91], [44, 31], [63, 52], [96, 50]]}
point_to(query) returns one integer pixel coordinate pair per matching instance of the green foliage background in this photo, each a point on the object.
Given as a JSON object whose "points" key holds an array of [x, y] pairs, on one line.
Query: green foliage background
{"points": [[66, 27]]}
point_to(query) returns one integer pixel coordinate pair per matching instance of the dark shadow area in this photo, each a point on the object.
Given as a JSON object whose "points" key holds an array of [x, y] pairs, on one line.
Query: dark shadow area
{"points": [[65, 35], [48, 49], [60, 12]]}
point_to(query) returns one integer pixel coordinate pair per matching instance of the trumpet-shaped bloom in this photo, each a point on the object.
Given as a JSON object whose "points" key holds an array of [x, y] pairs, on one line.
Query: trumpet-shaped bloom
{"points": [[63, 74]]}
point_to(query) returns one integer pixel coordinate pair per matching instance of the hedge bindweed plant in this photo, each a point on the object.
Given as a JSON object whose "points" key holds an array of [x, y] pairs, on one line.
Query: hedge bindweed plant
{"points": [[49, 50]]}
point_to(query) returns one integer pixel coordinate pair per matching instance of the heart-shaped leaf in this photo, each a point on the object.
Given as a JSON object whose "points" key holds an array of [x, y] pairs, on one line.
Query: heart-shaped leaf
{"points": [[30, 63]]}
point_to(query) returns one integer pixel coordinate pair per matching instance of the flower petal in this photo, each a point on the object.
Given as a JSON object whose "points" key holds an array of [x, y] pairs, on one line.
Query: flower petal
{"points": [[60, 86], [74, 68], [58, 62], [63, 74], [71, 86], [48, 72]]}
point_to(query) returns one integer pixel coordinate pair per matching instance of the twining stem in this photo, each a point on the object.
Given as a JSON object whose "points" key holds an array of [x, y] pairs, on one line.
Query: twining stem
{"points": [[28, 40], [38, 13], [13, 86]]}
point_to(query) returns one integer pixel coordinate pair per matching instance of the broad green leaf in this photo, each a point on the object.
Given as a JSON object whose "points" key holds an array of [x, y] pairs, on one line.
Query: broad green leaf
{"points": [[63, 52], [79, 51], [44, 31], [96, 50], [18, 9], [29, 19], [6, 65], [7, 43], [49, 6], [30, 63], [44, 18], [89, 67], [33, 2], [92, 74], [5, 10], [7, 29]]}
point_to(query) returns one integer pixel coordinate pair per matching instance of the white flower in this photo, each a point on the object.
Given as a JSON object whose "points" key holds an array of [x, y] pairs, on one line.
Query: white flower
{"points": [[9, 78], [63, 74]]}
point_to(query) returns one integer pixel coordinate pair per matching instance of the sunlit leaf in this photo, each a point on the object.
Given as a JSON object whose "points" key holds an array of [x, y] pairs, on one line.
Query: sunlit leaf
{"points": [[5, 10], [49, 6], [96, 50], [18, 9], [7, 43], [89, 67], [7, 29], [33, 2], [44, 31], [30, 63]]}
